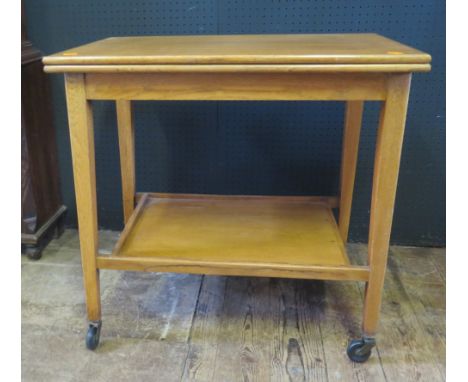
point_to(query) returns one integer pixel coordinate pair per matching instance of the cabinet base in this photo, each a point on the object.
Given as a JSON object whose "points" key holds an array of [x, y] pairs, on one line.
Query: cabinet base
{"points": [[32, 245]]}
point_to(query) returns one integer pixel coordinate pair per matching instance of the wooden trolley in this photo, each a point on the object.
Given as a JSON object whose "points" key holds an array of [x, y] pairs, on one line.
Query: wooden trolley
{"points": [[293, 237]]}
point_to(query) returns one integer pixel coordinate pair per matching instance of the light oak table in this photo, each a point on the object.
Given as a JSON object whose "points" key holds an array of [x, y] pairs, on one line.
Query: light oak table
{"points": [[293, 237]]}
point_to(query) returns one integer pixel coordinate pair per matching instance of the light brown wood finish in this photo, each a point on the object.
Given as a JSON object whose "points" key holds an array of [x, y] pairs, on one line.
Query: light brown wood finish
{"points": [[234, 229], [358, 48], [244, 68], [352, 131], [230, 236], [330, 201], [236, 86], [234, 235], [80, 121], [130, 223], [127, 155], [234, 268], [386, 167]]}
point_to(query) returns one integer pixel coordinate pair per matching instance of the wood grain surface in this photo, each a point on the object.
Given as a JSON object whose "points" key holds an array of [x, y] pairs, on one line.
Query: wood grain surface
{"points": [[236, 86], [127, 155], [215, 328], [240, 68], [349, 156], [244, 237], [242, 49], [234, 235], [80, 121], [384, 185], [237, 229]]}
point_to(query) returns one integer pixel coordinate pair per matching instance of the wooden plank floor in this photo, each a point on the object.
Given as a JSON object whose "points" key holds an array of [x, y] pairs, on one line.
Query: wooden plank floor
{"points": [[168, 327]]}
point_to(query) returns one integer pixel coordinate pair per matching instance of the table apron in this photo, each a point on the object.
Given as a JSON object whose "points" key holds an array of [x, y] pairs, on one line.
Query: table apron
{"points": [[237, 86]]}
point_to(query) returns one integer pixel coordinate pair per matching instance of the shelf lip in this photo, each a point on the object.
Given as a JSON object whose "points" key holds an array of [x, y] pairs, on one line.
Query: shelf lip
{"points": [[331, 201], [130, 223], [233, 268]]}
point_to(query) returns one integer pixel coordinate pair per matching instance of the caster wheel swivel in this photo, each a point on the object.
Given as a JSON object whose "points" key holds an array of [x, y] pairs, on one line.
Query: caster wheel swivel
{"points": [[92, 337], [360, 350]]}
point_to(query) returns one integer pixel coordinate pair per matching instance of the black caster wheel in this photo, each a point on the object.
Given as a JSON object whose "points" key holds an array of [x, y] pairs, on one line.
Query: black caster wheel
{"points": [[360, 350], [34, 252], [92, 337]]}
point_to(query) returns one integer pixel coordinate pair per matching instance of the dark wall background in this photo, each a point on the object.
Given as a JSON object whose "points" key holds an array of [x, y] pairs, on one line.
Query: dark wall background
{"points": [[261, 147]]}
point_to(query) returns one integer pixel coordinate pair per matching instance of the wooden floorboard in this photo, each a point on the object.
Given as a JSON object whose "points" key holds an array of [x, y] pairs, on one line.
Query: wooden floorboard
{"points": [[405, 348], [242, 354], [437, 256], [341, 321], [301, 340], [213, 328], [204, 335], [425, 289]]}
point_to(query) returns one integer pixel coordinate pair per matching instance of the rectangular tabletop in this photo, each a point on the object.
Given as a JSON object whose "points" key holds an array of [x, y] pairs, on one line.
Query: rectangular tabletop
{"points": [[294, 49]]}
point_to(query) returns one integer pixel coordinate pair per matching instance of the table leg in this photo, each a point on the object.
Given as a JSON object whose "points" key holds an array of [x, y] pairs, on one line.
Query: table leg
{"points": [[352, 131], [80, 120], [127, 155], [386, 167]]}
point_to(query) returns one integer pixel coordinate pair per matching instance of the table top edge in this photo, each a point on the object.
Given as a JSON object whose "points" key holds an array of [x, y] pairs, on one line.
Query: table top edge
{"points": [[289, 49]]}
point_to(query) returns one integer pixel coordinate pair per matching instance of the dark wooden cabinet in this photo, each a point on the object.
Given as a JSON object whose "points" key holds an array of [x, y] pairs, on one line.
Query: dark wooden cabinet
{"points": [[42, 212]]}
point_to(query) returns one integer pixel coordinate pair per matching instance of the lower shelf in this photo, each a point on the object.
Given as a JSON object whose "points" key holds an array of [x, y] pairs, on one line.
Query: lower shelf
{"points": [[295, 237]]}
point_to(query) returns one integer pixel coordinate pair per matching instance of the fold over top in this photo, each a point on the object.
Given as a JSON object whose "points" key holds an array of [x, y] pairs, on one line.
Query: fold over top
{"points": [[314, 51]]}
